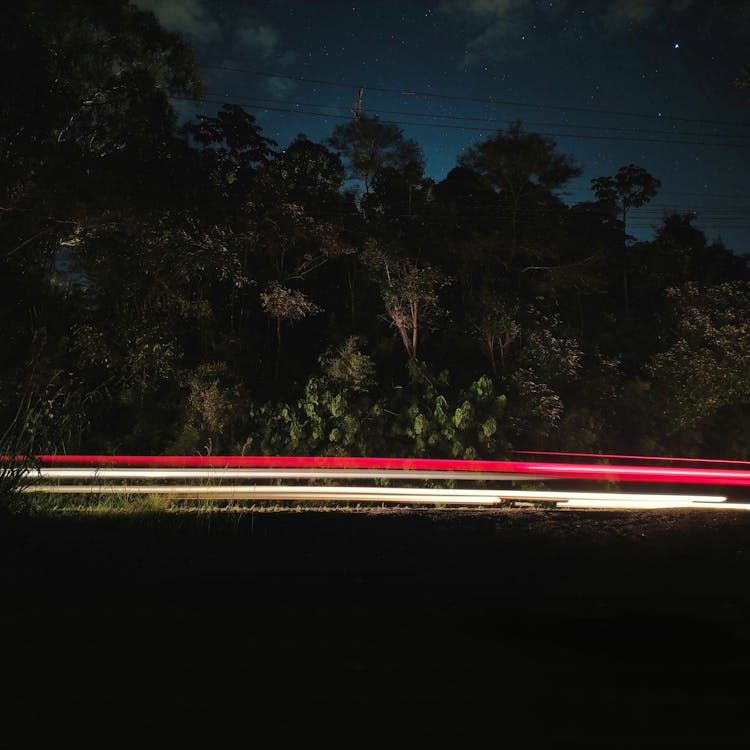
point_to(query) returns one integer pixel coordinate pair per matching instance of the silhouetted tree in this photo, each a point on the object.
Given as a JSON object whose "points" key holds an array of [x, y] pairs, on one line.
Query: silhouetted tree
{"points": [[632, 187], [234, 147], [524, 169], [369, 145]]}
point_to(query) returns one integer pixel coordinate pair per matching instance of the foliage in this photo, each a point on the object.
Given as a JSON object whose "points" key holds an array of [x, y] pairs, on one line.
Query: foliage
{"points": [[706, 366], [44, 421], [307, 172], [517, 162], [340, 416], [410, 293], [198, 288], [631, 187], [213, 413], [495, 325], [233, 146], [350, 367], [369, 145], [286, 304]]}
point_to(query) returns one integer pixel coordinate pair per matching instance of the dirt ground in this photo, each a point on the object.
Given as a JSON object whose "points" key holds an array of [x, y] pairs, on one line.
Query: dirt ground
{"points": [[609, 626]]}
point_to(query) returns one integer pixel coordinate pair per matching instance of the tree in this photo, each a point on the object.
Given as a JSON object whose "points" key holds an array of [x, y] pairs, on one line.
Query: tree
{"points": [[409, 291], [94, 98], [705, 367], [282, 304], [370, 145], [681, 253], [523, 169], [234, 146], [632, 187], [307, 173], [87, 140], [146, 313], [89, 123], [465, 197], [496, 325], [539, 361]]}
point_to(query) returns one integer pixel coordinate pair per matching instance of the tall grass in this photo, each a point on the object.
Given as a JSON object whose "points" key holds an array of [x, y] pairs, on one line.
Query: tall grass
{"points": [[46, 418], [17, 455]]}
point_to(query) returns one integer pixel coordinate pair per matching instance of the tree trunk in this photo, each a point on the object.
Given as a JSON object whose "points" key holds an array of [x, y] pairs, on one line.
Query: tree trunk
{"points": [[626, 301], [350, 283], [414, 323], [277, 366], [490, 344]]}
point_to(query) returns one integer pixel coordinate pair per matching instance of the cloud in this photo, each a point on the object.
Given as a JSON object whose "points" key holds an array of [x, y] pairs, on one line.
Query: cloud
{"points": [[501, 26], [261, 39], [279, 87], [498, 28], [619, 14], [623, 12], [484, 8], [610, 12], [188, 17], [495, 42]]}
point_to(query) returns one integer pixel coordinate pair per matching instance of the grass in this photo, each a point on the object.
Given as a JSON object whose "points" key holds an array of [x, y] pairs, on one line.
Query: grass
{"points": [[149, 507], [125, 504]]}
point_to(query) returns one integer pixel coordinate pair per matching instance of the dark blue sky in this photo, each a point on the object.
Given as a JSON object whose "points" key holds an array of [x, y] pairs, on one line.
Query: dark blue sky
{"points": [[585, 70]]}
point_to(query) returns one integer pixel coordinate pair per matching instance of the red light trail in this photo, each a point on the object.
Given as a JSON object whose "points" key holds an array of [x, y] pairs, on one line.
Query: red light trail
{"points": [[634, 458], [545, 470]]}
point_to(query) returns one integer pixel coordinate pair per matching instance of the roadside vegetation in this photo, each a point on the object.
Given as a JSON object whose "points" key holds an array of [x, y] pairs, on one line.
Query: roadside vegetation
{"points": [[196, 288], [148, 509]]}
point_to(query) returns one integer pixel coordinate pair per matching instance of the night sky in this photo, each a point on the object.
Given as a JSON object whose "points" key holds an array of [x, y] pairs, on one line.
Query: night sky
{"points": [[603, 78]]}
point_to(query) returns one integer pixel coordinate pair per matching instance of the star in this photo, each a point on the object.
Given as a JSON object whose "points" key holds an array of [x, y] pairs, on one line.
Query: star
{"points": [[677, 45]]}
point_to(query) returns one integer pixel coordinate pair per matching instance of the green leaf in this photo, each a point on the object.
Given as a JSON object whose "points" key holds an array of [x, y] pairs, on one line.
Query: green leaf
{"points": [[420, 424], [463, 415], [489, 427], [338, 405]]}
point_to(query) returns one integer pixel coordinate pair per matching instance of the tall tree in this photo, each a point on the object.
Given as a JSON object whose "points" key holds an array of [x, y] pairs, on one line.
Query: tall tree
{"points": [[234, 145], [524, 169], [308, 173], [282, 303], [369, 145], [86, 133], [632, 187], [410, 293]]}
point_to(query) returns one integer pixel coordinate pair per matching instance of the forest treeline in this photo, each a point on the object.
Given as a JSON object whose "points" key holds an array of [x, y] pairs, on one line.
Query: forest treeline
{"points": [[172, 287]]}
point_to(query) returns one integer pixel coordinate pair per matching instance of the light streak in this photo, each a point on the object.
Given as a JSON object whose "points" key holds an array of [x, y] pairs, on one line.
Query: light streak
{"points": [[586, 472], [634, 458], [585, 503], [395, 495]]}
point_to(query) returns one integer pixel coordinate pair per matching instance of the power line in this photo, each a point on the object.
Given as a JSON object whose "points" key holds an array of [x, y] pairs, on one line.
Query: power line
{"points": [[484, 130], [698, 195], [463, 118], [479, 100]]}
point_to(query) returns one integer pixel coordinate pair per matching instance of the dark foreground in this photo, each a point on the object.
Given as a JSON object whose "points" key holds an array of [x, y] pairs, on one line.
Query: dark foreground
{"points": [[588, 625]]}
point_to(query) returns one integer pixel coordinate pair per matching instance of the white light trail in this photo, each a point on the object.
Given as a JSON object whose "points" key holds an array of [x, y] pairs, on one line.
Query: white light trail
{"points": [[401, 495]]}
